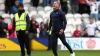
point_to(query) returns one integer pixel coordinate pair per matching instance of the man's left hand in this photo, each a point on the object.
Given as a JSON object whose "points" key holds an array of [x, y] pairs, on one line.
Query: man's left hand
{"points": [[61, 31]]}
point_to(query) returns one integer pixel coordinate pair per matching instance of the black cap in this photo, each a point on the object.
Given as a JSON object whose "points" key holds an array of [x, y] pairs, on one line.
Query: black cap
{"points": [[21, 5]]}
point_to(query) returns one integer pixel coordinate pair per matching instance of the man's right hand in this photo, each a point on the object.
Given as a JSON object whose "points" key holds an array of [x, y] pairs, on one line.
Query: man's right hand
{"points": [[5, 30], [26, 32]]}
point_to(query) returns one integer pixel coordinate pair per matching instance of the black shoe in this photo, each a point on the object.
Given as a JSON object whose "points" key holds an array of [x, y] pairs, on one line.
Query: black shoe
{"points": [[22, 55], [29, 55]]}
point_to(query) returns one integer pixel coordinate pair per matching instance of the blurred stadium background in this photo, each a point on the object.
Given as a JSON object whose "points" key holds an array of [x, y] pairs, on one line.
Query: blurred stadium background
{"points": [[82, 46]]}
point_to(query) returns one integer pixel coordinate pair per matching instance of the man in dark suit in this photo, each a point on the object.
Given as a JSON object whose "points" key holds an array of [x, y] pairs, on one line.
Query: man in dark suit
{"points": [[58, 24]]}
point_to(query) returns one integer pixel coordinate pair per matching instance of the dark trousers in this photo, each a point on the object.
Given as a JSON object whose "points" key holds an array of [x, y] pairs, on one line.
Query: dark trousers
{"points": [[8, 9], [84, 8], [55, 36], [35, 3], [74, 8], [64, 6], [24, 40]]}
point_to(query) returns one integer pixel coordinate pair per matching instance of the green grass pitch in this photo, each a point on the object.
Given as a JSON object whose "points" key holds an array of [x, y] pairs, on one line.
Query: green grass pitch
{"points": [[49, 53]]}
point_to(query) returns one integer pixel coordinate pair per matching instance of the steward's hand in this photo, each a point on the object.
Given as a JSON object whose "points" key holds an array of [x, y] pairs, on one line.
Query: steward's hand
{"points": [[26, 32]]}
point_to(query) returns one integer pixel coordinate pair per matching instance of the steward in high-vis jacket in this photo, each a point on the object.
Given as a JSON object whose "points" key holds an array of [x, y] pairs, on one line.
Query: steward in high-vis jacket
{"points": [[21, 24]]}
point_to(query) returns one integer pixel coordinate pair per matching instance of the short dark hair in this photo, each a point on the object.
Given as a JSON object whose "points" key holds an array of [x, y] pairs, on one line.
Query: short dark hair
{"points": [[16, 1]]}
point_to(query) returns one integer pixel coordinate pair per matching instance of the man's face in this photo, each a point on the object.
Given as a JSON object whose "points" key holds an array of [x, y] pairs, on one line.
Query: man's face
{"points": [[16, 3], [91, 21], [32, 18], [20, 8], [56, 5]]}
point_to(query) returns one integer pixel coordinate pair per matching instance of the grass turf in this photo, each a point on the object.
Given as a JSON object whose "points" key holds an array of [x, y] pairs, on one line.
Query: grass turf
{"points": [[49, 53]]}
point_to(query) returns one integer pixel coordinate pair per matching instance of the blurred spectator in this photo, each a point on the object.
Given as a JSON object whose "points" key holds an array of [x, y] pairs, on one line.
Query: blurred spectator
{"points": [[83, 32], [74, 6], [91, 28], [45, 2], [10, 33], [50, 2], [76, 32], [83, 7], [42, 29], [20, 1], [35, 3], [64, 6], [33, 27], [8, 5], [15, 7], [94, 8], [3, 28]]}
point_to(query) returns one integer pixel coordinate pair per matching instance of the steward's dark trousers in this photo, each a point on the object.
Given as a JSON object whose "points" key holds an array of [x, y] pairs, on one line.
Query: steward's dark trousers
{"points": [[24, 40], [55, 36]]}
